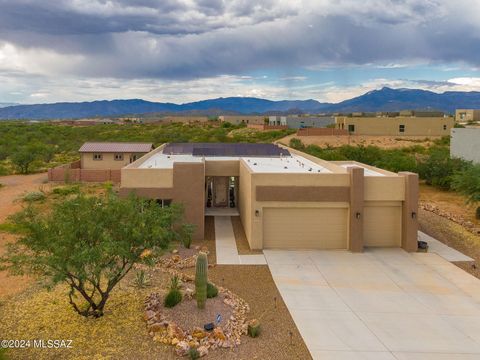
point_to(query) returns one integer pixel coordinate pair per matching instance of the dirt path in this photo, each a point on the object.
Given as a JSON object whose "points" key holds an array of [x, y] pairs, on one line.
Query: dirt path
{"points": [[14, 186]]}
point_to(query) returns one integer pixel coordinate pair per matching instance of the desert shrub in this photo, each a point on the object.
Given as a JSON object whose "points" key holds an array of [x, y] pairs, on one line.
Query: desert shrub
{"points": [[186, 235], [66, 190], [437, 168], [212, 291], [34, 196], [467, 182], [296, 144], [193, 353], [11, 228], [141, 279], [173, 297], [3, 354]]}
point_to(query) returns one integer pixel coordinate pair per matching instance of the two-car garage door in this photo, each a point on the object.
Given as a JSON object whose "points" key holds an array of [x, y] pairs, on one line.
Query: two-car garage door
{"points": [[307, 228]]}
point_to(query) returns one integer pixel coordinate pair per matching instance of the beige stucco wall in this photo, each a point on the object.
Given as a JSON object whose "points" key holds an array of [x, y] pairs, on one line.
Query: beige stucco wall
{"points": [[245, 198], [147, 178], [108, 161], [389, 126], [465, 115], [222, 168]]}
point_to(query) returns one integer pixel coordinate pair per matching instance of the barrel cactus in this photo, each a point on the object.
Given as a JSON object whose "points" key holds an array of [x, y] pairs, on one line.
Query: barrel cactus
{"points": [[201, 279]]}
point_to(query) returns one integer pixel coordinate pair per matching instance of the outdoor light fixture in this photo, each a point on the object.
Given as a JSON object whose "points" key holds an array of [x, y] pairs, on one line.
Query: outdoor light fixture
{"points": [[357, 215], [257, 213], [414, 215]]}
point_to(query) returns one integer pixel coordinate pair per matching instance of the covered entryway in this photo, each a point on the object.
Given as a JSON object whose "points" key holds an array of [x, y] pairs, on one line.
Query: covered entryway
{"points": [[382, 225], [305, 228]]}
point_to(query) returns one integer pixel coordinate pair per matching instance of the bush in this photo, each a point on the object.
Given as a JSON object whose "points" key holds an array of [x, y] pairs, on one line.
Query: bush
{"points": [[296, 144], [438, 168], [66, 190], [3, 354], [193, 353], [467, 182], [212, 291], [34, 196], [141, 279], [173, 297]]}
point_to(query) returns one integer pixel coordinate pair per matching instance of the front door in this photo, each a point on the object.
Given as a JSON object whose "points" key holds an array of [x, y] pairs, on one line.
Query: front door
{"points": [[220, 189]]}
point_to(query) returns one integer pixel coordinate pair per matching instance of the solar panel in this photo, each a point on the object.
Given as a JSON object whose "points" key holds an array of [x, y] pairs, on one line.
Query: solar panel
{"points": [[225, 149]]}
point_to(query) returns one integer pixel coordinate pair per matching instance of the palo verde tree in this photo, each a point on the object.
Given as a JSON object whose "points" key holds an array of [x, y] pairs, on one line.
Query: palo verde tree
{"points": [[91, 243]]}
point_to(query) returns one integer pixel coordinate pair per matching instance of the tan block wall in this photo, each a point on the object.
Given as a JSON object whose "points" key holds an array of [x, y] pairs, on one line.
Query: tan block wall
{"points": [[108, 161], [389, 126], [238, 119], [321, 132]]}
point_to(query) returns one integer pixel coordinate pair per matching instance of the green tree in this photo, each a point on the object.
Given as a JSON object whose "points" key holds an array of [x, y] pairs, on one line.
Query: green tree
{"points": [[91, 243], [23, 159], [467, 182]]}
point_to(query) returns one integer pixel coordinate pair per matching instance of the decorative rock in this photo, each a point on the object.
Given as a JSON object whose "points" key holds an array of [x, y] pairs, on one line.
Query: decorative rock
{"points": [[157, 327], [198, 333], [175, 341], [189, 293], [175, 251], [176, 258], [173, 330], [218, 334], [202, 350], [149, 314], [197, 247], [181, 349]]}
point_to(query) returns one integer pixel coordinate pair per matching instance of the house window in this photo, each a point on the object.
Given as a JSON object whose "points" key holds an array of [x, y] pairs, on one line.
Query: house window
{"points": [[133, 157], [97, 157], [118, 157], [164, 202], [351, 128], [444, 127], [401, 128]]}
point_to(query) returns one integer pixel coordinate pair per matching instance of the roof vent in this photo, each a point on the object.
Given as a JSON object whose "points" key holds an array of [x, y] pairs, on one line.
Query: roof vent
{"points": [[254, 163], [285, 167]]}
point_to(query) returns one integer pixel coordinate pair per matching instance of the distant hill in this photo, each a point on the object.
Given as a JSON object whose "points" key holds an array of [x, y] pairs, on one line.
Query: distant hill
{"points": [[2, 104], [385, 99]]}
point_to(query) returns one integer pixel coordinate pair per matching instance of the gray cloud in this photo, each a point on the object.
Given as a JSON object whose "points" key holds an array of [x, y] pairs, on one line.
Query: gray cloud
{"points": [[169, 39]]}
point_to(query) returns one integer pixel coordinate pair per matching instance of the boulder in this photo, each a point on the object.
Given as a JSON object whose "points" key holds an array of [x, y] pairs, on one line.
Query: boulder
{"points": [[199, 333], [218, 334], [202, 351], [181, 349]]}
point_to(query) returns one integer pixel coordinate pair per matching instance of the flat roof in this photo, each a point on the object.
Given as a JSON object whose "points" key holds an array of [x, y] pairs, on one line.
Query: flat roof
{"points": [[287, 164], [225, 149]]}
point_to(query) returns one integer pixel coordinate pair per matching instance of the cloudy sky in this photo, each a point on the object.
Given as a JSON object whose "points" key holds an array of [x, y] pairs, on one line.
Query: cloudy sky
{"points": [[187, 50]]}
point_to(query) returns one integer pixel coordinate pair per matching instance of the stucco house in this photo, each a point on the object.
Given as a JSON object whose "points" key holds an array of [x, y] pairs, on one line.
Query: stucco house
{"points": [[100, 161], [111, 155], [405, 124], [285, 198]]}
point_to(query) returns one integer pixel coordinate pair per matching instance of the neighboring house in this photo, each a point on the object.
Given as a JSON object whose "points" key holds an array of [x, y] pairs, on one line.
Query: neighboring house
{"points": [[301, 122], [410, 124], [100, 161], [285, 198], [466, 115], [110, 155], [465, 144], [243, 119]]}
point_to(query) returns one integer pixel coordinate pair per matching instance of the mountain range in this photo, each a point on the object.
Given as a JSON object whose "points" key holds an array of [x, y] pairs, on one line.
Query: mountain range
{"points": [[385, 99]]}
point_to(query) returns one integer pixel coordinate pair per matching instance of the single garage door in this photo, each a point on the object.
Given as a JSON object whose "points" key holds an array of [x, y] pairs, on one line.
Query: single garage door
{"points": [[382, 226], [305, 228]]}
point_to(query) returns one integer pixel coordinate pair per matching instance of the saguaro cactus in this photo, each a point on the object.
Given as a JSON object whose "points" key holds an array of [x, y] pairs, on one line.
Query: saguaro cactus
{"points": [[201, 279]]}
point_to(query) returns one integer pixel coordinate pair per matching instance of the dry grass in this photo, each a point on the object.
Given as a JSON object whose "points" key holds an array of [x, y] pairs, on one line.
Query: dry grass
{"points": [[384, 142], [243, 247]]}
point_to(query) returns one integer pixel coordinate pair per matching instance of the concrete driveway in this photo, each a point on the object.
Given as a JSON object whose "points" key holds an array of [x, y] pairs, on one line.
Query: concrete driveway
{"points": [[381, 304]]}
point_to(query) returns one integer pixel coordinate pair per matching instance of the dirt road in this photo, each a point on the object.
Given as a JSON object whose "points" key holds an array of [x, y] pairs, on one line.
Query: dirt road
{"points": [[14, 186]]}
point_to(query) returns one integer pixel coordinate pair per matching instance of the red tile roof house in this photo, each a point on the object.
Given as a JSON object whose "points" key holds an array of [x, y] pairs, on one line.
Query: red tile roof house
{"points": [[100, 161]]}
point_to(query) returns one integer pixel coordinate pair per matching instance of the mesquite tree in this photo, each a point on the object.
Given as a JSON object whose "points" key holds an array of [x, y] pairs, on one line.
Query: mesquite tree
{"points": [[91, 243]]}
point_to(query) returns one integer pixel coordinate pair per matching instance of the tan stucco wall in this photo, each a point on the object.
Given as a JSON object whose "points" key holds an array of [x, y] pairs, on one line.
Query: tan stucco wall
{"points": [[222, 168], [108, 161], [465, 115], [245, 198], [147, 178], [389, 126]]}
